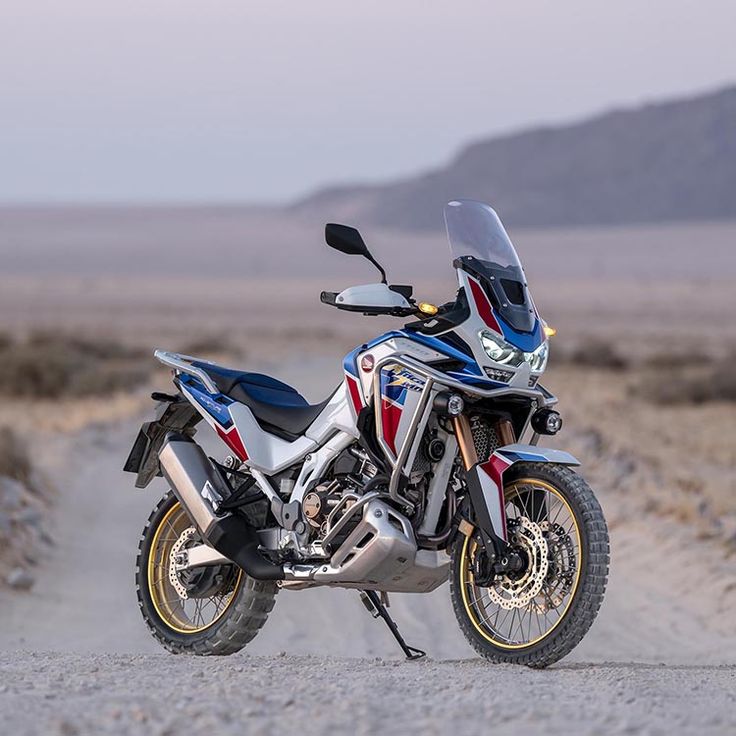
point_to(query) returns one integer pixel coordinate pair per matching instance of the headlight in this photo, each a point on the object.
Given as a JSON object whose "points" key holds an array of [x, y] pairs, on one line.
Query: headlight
{"points": [[538, 359], [500, 351]]}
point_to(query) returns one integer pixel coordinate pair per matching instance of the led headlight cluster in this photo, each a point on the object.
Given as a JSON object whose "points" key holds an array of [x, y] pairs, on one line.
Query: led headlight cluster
{"points": [[497, 374], [500, 351]]}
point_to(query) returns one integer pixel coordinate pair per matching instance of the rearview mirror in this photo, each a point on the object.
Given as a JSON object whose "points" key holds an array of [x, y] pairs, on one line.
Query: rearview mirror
{"points": [[345, 239], [348, 240]]}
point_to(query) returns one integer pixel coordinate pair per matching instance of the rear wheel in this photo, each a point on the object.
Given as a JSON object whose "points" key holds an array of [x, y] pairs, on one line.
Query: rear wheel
{"points": [[538, 614], [207, 610]]}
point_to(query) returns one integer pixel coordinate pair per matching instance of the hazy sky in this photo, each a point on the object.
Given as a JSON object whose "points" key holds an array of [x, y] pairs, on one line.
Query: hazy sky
{"points": [[179, 100]]}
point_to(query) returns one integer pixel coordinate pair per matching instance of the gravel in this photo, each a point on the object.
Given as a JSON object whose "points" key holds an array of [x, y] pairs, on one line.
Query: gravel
{"points": [[159, 694]]}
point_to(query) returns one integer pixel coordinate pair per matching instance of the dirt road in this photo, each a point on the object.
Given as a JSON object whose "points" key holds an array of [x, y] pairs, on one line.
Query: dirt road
{"points": [[161, 695], [77, 658]]}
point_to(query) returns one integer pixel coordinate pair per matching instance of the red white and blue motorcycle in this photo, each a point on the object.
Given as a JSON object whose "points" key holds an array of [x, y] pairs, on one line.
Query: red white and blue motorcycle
{"points": [[413, 472]]}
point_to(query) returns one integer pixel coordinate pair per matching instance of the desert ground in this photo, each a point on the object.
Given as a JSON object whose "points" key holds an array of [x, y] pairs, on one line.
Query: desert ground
{"points": [[644, 318]]}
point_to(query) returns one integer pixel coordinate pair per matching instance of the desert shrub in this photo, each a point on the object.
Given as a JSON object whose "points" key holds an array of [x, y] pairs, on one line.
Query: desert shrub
{"points": [[678, 386], [594, 353], [36, 371], [100, 348], [15, 461], [107, 377], [49, 365], [666, 360], [210, 345]]}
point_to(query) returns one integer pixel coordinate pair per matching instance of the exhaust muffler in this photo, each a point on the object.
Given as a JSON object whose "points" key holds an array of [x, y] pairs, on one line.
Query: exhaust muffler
{"points": [[199, 487]]}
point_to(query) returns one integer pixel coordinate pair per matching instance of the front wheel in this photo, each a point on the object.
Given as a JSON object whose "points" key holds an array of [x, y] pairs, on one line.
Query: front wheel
{"points": [[538, 614], [207, 610]]}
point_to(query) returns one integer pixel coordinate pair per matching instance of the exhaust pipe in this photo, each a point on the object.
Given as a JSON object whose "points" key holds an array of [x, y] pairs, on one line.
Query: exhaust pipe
{"points": [[198, 485]]}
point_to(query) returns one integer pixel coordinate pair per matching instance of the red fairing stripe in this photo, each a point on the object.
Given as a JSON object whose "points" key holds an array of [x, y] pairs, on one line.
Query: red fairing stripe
{"points": [[483, 305], [354, 390], [494, 468], [390, 418], [233, 440]]}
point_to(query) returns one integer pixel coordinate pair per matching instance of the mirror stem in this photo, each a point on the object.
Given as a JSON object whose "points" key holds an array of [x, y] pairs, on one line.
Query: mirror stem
{"points": [[378, 266]]}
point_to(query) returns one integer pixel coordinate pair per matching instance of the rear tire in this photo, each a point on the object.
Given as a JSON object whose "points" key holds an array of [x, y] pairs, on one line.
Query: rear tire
{"points": [[244, 613], [581, 605]]}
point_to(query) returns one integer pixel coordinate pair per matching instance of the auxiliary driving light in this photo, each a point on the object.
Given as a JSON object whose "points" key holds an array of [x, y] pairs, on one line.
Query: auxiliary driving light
{"points": [[447, 403], [546, 421]]}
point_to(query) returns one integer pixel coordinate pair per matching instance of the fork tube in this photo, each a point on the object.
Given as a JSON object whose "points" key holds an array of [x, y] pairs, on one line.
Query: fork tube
{"points": [[461, 425], [505, 432]]}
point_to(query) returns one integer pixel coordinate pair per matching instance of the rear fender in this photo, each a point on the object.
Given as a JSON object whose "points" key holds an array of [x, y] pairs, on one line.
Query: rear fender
{"points": [[173, 414]]}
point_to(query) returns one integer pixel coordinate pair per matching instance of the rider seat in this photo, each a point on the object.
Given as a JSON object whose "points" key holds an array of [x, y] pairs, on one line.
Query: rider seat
{"points": [[279, 408]]}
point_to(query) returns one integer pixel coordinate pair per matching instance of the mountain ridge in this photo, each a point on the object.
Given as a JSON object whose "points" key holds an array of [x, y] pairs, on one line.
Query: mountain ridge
{"points": [[659, 162]]}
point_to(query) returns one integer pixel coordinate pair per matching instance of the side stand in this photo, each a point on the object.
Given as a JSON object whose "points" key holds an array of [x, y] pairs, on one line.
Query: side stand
{"points": [[372, 601]]}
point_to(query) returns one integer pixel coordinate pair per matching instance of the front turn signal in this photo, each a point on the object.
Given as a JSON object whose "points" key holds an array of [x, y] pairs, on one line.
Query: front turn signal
{"points": [[549, 331], [426, 308]]}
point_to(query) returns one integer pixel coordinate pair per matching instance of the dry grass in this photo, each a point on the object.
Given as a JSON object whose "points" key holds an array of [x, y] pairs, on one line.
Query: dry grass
{"points": [[591, 353], [15, 461], [664, 378], [679, 384], [49, 365], [212, 344]]}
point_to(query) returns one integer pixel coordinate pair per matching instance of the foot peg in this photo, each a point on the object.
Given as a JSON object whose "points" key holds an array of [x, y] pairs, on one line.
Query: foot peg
{"points": [[372, 601]]}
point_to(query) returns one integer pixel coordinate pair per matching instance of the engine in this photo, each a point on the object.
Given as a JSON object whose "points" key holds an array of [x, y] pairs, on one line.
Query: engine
{"points": [[327, 503], [319, 502]]}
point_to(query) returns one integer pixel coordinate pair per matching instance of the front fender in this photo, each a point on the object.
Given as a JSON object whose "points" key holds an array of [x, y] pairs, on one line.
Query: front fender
{"points": [[532, 454], [485, 482]]}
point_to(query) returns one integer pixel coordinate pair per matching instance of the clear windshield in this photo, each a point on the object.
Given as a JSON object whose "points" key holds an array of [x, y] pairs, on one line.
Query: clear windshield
{"points": [[481, 247], [474, 229]]}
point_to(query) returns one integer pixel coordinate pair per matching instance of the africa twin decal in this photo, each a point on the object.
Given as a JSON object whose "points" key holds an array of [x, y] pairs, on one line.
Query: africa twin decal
{"points": [[400, 390]]}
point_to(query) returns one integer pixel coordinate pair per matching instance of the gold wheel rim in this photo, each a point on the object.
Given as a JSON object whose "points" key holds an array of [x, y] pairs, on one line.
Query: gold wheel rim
{"points": [[467, 584], [172, 610]]}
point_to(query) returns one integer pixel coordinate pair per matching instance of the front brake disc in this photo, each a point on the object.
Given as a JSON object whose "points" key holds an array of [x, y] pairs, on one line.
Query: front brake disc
{"points": [[508, 592]]}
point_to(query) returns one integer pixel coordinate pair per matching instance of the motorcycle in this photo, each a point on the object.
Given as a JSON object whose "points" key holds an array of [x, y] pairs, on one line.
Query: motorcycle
{"points": [[411, 473]]}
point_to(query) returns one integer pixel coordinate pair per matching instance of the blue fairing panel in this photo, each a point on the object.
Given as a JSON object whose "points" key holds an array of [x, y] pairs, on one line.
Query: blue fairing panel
{"points": [[526, 341], [533, 454], [471, 373], [215, 404]]}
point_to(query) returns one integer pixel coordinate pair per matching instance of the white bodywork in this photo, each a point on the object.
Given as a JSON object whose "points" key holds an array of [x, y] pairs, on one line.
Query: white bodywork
{"points": [[371, 295], [270, 454]]}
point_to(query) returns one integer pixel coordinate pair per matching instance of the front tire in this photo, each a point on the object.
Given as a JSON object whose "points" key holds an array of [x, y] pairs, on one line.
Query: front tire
{"points": [[226, 608], [539, 615]]}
